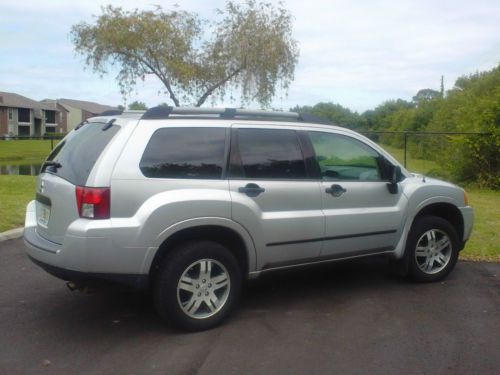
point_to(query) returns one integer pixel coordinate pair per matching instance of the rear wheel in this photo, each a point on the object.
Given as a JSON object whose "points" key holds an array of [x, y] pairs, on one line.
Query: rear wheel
{"points": [[432, 249], [198, 285]]}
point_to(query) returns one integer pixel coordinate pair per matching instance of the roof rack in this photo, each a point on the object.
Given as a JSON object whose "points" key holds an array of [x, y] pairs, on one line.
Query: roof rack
{"points": [[164, 112]]}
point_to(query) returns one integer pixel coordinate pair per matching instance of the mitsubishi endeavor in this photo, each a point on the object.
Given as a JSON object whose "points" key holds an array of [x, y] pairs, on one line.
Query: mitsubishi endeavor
{"points": [[187, 202]]}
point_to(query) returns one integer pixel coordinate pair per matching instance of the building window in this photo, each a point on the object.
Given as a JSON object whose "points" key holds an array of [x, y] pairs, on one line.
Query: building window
{"points": [[23, 131], [11, 114], [24, 115], [50, 117], [50, 129]]}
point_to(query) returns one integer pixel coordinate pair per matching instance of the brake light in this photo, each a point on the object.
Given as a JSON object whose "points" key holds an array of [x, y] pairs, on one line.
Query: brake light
{"points": [[93, 203]]}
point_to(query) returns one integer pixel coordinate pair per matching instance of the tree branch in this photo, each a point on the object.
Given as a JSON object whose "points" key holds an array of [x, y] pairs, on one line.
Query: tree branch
{"points": [[154, 71], [214, 87]]}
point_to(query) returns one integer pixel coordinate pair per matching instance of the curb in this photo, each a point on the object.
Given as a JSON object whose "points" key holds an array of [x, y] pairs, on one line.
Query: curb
{"points": [[11, 234]]}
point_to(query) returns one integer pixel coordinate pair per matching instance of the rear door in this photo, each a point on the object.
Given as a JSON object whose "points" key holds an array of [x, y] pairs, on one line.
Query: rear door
{"points": [[274, 196], [69, 165], [361, 215]]}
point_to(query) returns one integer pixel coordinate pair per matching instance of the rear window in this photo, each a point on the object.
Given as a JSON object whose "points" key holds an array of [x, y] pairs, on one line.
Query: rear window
{"points": [[79, 151], [185, 153]]}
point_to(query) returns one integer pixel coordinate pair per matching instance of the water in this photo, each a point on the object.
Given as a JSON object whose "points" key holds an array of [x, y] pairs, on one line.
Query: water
{"points": [[21, 169]]}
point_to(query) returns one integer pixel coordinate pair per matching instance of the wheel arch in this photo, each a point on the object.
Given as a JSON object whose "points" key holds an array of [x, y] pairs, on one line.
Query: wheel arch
{"points": [[237, 241], [447, 211]]}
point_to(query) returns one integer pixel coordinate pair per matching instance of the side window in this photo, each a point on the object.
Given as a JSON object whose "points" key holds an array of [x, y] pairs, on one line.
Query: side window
{"points": [[185, 153], [268, 154], [343, 158]]}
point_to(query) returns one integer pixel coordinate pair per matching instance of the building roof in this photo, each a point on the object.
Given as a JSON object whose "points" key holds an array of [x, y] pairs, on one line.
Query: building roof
{"points": [[92, 107], [52, 104], [9, 99]]}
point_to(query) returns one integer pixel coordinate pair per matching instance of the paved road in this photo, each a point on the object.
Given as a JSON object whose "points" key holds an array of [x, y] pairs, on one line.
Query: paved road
{"points": [[349, 318]]}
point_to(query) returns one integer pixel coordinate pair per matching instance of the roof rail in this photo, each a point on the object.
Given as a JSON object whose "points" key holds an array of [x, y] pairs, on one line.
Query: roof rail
{"points": [[111, 112], [164, 112]]}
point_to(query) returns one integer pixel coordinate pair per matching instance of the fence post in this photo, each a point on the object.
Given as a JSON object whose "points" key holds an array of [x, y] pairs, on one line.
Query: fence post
{"points": [[51, 143], [406, 142]]}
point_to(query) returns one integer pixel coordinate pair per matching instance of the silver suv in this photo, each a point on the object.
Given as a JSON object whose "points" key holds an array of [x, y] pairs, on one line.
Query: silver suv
{"points": [[188, 202]]}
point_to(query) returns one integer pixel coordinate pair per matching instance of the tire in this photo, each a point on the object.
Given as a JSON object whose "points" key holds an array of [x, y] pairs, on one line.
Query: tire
{"points": [[198, 285], [432, 247]]}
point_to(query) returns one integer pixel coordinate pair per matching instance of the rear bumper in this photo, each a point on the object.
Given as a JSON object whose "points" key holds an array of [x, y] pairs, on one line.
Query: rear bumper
{"points": [[140, 282], [73, 260]]}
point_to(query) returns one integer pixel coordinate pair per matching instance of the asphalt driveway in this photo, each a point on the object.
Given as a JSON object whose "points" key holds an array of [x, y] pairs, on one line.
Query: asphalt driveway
{"points": [[346, 318]]}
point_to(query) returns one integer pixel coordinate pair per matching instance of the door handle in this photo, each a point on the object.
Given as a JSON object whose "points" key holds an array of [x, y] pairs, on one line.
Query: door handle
{"points": [[335, 190], [251, 189]]}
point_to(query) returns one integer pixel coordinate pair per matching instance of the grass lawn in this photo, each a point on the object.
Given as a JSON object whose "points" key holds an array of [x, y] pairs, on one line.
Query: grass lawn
{"points": [[413, 165], [484, 243], [15, 193], [24, 151]]}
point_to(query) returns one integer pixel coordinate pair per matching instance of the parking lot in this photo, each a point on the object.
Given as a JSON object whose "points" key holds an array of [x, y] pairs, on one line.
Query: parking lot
{"points": [[339, 319]]}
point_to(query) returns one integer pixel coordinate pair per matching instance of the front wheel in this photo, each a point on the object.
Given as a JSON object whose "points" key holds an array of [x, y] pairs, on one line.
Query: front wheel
{"points": [[432, 249], [198, 285]]}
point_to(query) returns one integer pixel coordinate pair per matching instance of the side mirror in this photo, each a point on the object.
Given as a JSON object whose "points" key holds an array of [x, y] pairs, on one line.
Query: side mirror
{"points": [[392, 185]]}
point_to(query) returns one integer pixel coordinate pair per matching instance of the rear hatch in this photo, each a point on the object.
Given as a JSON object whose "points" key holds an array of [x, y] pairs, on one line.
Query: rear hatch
{"points": [[68, 166]]}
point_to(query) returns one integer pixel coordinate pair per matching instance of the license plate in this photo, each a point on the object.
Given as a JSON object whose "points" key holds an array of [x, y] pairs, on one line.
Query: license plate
{"points": [[44, 215]]}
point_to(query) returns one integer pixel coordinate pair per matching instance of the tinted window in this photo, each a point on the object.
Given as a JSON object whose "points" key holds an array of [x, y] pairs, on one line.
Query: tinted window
{"points": [[185, 153], [344, 158], [79, 151], [269, 154]]}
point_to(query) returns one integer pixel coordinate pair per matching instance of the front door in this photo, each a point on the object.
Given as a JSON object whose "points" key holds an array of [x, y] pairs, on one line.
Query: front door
{"points": [[273, 195], [38, 127], [362, 216]]}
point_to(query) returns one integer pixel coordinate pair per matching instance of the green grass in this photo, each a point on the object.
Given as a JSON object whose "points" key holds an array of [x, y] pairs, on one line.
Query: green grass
{"points": [[484, 243], [15, 193], [24, 151], [412, 164]]}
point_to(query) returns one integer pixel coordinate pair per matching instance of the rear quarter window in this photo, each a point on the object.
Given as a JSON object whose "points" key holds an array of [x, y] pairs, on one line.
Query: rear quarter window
{"points": [[196, 153], [79, 151]]}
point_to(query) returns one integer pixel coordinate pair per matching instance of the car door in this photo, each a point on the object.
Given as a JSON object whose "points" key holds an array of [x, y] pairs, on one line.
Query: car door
{"points": [[361, 215], [273, 195]]}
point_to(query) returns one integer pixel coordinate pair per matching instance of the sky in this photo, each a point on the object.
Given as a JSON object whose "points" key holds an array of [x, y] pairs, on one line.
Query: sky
{"points": [[356, 53]]}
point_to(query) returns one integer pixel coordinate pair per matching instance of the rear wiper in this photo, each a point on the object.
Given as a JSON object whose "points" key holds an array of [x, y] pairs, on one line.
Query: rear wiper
{"points": [[50, 163]]}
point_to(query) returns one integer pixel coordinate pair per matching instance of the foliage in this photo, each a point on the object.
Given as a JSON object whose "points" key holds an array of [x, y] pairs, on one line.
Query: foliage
{"points": [[337, 114], [249, 48], [137, 106], [473, 105], [425, 95]]}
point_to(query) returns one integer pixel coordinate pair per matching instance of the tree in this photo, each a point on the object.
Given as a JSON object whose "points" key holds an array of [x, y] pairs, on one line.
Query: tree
{"points": [[137, 106], [337, 114], [426, 94], [249, 48]]}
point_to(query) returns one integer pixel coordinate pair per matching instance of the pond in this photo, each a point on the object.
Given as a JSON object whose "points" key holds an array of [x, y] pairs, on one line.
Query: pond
{"points": [[21, 169]]}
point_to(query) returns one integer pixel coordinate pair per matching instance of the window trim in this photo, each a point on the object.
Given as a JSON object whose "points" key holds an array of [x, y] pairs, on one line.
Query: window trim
{"points": [[235, 162], [11, 114], [380, 159]]}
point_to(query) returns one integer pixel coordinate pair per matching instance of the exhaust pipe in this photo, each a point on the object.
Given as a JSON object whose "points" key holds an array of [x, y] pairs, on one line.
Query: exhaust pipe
{"points": [[75, 286]]}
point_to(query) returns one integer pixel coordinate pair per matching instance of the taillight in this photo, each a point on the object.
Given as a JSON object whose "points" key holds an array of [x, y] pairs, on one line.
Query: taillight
{"points": [[93, 203]]}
